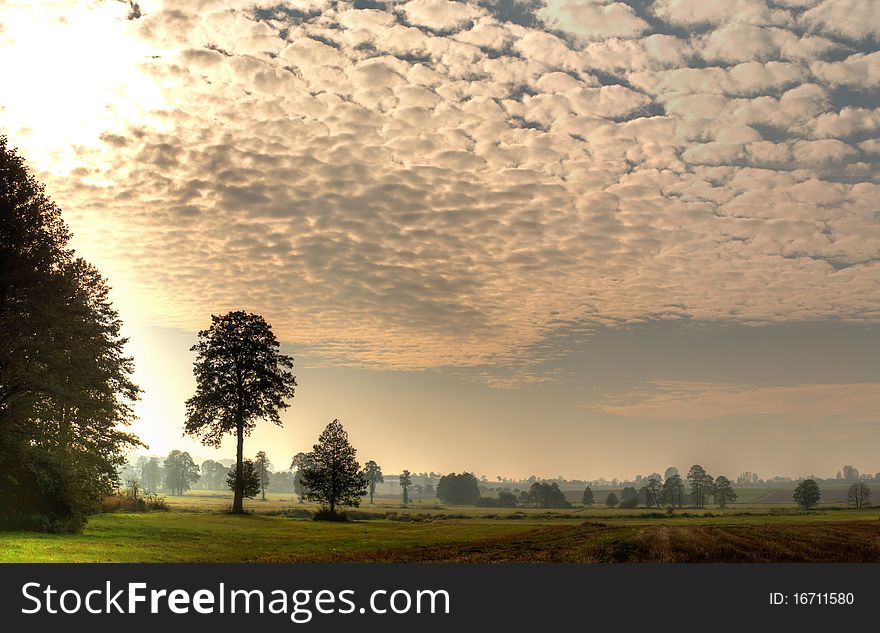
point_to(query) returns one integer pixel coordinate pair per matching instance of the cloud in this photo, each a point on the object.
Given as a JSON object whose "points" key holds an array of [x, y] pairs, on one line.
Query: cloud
{"points": [[438, 183], [672, 401]]}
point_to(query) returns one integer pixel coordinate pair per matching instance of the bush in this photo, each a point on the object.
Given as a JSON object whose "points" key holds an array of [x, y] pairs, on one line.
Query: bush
{"points": [[324, 514]]}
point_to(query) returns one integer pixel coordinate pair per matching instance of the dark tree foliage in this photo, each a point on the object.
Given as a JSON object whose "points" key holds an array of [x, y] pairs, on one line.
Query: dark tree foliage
{"points": [[213, 475], [250, 478], [672, 492], [544, 495], [629, 498], [460, 489], [611, 500], [180, 472], [241, 377], [701, 484], [373, 473], [807, 494], [858, 495], [262, 463], [405, 481], [653, 491], [334, 477], [66, 393], [723, 492], [587, 498], [301, 462]]}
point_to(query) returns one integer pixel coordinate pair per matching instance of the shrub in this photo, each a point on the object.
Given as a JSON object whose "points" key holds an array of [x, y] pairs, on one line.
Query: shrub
{"points": [[324, 514]]}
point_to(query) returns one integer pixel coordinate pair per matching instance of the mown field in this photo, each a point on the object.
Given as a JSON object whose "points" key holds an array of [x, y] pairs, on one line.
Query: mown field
{"points": [[278, 530]]}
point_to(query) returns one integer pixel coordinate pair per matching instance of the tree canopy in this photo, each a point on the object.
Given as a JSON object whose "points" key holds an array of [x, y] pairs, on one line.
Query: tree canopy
{"points": [[250, 479], [807, 494], [66, 392], [334, 477], [241, 377], [180, 472], [373, 473], [460, 489]]}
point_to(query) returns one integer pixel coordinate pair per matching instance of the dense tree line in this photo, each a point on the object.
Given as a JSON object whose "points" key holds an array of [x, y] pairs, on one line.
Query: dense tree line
{"points": [[66, 392]]}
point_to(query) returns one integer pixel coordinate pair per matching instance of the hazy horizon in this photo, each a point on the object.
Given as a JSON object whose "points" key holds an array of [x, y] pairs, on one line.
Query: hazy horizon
{"points": [[574, 237]]}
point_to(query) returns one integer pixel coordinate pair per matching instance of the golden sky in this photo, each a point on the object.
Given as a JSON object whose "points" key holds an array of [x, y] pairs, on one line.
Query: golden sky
{"points": [[462, 204]]}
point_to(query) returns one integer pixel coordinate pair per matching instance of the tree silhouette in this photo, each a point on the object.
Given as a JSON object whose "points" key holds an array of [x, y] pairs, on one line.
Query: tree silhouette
{"points": [[611, 500], [250, 479], [858, 495], [299, 464], [587, 498], [262, 464], [241, 377], [66, 392], [373, 473], [673, 490], [334, 477], [723, 491], [653, 491], [701, 484], [180, 472], [405, 482], [807, 494]]}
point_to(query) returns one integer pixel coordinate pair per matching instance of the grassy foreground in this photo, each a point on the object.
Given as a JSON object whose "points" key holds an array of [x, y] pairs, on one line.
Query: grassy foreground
{"points": [[828, 536]]}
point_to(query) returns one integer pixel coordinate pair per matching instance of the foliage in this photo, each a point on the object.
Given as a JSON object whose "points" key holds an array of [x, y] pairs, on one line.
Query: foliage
{"points": [[807, 494], [241, 377], [547, 495], [66, 392], [653, 491], [262, 464], [300, 463], [213, 475], [250, 486], [723, 491], [629, 498], [505, 499], [405, 481], [373, 475], [334, 477], [131, 498], [587, 497], [611, 500], [460, 489], [858, 495], [180, 472], [672, 490], [701, 484]]}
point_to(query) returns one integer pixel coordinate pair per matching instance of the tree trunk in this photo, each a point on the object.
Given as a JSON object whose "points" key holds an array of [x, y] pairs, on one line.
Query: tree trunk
{"points": [[238, 499]]}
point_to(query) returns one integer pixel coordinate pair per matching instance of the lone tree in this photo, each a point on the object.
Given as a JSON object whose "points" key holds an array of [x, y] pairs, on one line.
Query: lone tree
{"points": [[723, 491], [373, 474], [180, 472], [858, 495], [405, 482], [241, 377], [250, 479], [807, 494], [460, 489], [262, 464], [587, 498], [334, 477], [66, 392], [299, 464], [611, 500]]}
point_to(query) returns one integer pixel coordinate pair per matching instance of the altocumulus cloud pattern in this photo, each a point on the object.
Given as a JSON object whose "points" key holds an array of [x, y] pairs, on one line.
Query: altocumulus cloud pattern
{"points": [[430, 183]]}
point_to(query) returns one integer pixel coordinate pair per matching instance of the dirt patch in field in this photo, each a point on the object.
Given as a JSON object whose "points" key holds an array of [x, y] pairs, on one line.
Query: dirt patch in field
{"points": [[851, 541]]}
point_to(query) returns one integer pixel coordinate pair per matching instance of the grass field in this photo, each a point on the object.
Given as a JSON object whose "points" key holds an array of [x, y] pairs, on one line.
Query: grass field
{"points": [[197, 530]]}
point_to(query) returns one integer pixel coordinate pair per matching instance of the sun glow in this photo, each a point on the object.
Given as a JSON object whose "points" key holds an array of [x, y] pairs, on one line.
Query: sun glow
{"points": [[71, 74]]}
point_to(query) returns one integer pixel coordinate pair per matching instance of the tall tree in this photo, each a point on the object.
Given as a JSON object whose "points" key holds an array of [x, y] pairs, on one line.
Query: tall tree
{"points": [[723, 492], [807, 494], [405, 482], [335, 477], [213, 475], [180, 472], [700, 482], [373, 473], [653, 490], [672, 492], [587, 498], [250, 479], [850, 473], [300, 463], [262, 464], [460, 489], [66, 392], [858, 495], [151, 475], [241, 377]]}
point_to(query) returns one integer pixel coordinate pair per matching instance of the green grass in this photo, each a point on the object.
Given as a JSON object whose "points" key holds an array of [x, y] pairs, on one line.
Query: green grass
{"points": [[204, 537]]}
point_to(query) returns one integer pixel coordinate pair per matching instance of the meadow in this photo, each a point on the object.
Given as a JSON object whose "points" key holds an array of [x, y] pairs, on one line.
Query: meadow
{"points": [[197, 529]]}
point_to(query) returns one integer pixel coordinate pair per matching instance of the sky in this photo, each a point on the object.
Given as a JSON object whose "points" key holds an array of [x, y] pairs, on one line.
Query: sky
{"points": [[573, 237]]}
